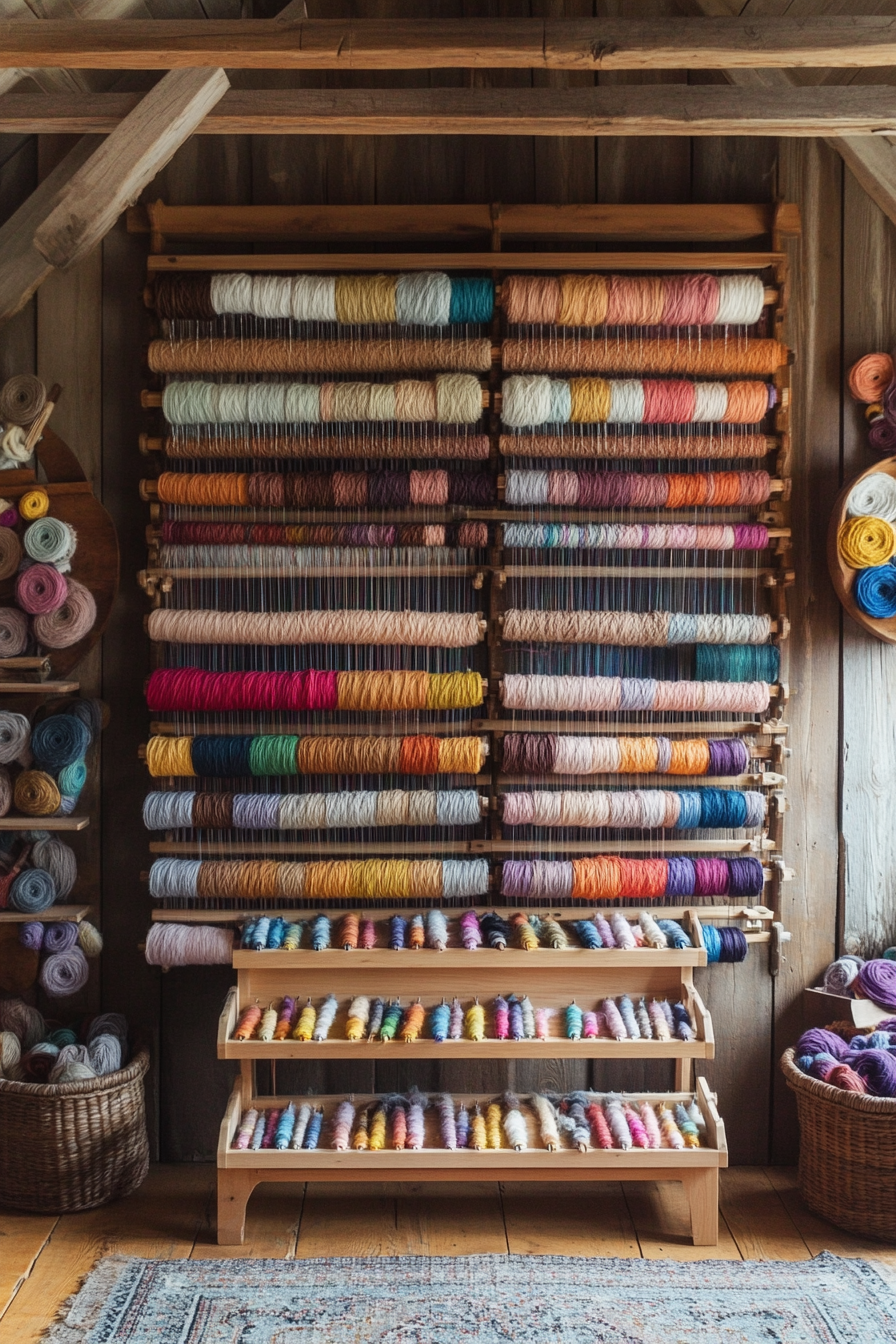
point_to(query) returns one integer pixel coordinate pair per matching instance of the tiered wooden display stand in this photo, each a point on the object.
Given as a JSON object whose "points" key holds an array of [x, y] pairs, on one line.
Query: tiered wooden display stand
{"points": [[551, 978], [26, 682]]}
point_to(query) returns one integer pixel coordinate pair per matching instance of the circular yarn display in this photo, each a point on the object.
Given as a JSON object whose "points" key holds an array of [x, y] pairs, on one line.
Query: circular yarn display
{"points": [[865, 542]]}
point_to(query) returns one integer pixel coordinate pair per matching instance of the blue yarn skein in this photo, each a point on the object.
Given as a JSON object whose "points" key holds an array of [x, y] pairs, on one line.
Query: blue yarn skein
{"points": [[32, 891], [472, 299], [875, 591], [59, 741]]}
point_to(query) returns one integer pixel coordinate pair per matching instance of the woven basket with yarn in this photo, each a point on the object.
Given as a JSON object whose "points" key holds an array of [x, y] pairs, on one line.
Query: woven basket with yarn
{"points": [[847, 1154], [71, 1146]]}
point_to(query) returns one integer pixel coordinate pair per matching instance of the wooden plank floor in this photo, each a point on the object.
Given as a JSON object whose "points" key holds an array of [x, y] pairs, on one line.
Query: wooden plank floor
{"points": [[44, 1259]]}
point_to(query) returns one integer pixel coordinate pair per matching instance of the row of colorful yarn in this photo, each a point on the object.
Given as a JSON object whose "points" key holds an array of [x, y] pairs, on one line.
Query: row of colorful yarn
{"points": [[53, 751], [846, 1058], [578, 1122], [52, 609], [435, 299], [33, 1051], [867, 543], [470, 930], [508, 1019]]}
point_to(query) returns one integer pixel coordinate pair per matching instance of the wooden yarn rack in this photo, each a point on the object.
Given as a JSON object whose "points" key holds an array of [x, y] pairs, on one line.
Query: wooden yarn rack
{"points": [[545, 975]]}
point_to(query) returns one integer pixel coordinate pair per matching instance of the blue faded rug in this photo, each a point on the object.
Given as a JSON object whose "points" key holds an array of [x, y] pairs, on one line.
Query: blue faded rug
{"points": [[533, 1299]]}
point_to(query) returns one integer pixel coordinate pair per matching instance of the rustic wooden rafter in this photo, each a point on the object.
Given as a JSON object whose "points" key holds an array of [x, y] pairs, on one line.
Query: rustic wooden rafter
{"points": [[381, 44], [648, 110]]}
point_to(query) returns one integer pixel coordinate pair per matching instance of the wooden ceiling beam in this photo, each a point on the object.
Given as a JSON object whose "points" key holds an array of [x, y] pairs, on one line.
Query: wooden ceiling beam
{"points": [[128, 159], [384, 44], [858, 110]]}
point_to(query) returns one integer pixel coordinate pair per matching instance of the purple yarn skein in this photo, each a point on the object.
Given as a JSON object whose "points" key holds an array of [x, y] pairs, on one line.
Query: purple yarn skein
{"points": [[876, 980]]}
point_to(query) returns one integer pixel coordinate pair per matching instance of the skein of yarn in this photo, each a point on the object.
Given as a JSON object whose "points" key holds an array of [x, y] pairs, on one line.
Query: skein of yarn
{"points": [[876, 980], [188, 945], [64, 973], [841, 974]]}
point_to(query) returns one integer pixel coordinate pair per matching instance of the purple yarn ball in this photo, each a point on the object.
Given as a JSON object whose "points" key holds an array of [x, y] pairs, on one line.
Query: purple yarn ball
{"points": [[31, 935], [60, 937], [818, 1041], [877, 1069], [876, 981]]}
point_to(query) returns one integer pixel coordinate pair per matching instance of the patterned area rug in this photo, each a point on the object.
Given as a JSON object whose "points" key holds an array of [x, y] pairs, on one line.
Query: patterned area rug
{"points": [[483, 1300]]}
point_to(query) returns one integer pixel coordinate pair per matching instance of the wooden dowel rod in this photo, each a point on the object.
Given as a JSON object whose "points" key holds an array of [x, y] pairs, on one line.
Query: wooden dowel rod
{"points": [[150, 400], [483, 629]]}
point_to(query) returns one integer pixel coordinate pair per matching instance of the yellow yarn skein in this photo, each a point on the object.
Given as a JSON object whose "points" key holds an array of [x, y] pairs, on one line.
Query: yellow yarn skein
{"points": [[493, 1125], [474, 1022], [305, 1025], [170, 756], [478, 1139], [866, 541], [34, 504]]}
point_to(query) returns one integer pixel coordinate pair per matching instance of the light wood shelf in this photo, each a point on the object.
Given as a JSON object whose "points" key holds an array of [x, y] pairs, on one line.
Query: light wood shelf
{"points": [[696, 1168]]}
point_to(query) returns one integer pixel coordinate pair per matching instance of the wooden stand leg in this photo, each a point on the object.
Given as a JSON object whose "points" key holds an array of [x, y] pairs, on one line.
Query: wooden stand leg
{"points": [[684, 1075], [234, 1189], [702, 1189]]}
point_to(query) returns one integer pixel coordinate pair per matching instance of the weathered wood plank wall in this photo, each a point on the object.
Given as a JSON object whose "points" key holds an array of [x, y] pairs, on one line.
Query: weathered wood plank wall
{"points": [[843, 766]]}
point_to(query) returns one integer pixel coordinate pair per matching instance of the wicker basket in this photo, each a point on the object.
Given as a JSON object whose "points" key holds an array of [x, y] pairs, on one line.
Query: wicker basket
{"points": [[847, 1154], [73, 1146]]}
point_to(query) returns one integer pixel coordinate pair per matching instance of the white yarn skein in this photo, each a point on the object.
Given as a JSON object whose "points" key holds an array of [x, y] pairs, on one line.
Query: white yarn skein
{"points": [[874, 497], [626, 401], [741, 300], [710, 403], [526, 400]]}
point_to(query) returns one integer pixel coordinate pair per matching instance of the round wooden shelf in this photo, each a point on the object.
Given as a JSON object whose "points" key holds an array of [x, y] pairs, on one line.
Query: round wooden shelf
{"points": [[842, 576]]}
